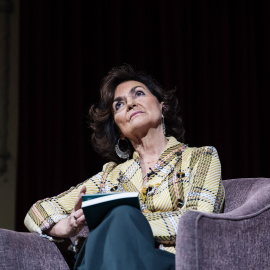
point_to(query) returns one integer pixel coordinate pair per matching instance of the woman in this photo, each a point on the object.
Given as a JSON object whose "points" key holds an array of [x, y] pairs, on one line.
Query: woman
{"points": [[135, 120]]}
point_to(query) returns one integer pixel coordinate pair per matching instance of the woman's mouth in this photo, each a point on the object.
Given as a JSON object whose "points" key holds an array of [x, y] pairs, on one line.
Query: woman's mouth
{"points": [[135, 113]]}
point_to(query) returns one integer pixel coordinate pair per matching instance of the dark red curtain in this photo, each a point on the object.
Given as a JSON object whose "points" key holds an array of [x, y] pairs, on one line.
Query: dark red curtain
{"points": [[216, 53]]}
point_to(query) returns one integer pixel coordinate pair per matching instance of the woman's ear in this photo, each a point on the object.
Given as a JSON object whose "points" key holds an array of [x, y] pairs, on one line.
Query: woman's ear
{"points": [[122, 137], [119, 133], [162, 106]]}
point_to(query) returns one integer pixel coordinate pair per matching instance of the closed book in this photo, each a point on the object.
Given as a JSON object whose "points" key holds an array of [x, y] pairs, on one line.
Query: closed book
{"points": [[97, 206]]}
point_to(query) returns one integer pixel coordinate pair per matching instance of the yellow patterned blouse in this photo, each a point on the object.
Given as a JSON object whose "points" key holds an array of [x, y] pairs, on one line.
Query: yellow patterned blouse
{"points": [[184, 179]]}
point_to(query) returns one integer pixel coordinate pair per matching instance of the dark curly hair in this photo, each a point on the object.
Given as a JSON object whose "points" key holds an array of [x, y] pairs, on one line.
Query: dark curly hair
{"points": [[105, 132]]}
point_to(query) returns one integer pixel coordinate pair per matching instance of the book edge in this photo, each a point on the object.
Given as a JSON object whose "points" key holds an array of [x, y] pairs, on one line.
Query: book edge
{"points": [[108, 198]]}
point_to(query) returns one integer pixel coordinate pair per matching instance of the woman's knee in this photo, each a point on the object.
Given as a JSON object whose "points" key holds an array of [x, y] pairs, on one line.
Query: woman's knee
{"points": [[125, 210], [126, 215]]}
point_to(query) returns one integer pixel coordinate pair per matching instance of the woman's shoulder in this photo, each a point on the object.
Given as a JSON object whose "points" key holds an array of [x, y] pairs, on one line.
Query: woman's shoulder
{"points": [[196, 152], [109, 166], [174, 144], [201, 149], [114, 167], [200, 156]]}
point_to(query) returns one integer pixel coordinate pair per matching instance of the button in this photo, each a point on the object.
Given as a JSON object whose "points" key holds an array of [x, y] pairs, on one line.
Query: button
{"points": [[180, 175], [180, 203], [114, 188]]}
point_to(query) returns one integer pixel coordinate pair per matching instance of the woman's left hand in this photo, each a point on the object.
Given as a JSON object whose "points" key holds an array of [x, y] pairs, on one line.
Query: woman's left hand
{"points": [[72, 225], [77, 218]]}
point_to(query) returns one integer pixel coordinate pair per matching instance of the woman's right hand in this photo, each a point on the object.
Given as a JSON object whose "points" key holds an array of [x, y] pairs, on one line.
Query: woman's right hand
{"points": [[72, 225]]}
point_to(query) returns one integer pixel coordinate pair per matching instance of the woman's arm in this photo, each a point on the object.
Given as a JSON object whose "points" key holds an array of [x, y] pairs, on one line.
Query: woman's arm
{"points": [[46, 213]]}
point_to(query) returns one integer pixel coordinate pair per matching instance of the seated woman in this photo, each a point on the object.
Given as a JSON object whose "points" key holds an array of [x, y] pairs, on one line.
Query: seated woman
{"points": [[135, 120]]}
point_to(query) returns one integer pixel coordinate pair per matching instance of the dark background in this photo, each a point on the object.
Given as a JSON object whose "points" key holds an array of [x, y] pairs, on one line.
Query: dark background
{"points": [[216, 53]]}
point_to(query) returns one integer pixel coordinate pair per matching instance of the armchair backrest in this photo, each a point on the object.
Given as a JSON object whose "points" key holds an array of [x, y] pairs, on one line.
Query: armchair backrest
{"points": [[238, 191]]}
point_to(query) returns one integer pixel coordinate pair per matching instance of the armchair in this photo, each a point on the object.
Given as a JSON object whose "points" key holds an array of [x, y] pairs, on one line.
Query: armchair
{"points": [[239, 238]]}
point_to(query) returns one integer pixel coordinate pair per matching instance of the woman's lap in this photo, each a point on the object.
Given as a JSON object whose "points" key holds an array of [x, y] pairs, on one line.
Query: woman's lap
{"points": [[123, 240]]}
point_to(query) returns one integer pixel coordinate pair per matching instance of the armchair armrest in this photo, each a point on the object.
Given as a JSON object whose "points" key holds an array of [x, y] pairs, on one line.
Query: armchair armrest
{"points": [[238, 239], [20, 250]]}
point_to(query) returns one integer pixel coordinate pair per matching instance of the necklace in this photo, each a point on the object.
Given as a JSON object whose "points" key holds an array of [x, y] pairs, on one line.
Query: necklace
{"points": [[145, 178], [149, 161]]}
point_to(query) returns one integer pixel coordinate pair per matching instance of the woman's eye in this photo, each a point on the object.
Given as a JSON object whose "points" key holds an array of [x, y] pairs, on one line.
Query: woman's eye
{"points": [[139, 93], [117, 106]]}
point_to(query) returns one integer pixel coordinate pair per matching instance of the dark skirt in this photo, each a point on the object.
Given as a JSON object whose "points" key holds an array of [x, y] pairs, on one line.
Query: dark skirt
{"points": [[123, 240]]}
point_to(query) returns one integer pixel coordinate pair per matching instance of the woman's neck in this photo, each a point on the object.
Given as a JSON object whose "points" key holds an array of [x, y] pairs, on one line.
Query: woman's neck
{"points": [[150, 147]]}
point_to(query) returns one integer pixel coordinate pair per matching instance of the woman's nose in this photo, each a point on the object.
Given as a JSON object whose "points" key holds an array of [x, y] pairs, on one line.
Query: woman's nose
{"points": [[131, 103]]}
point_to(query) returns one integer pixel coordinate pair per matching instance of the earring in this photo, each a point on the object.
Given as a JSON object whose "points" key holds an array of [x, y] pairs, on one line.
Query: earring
{"points": [[119, 152], [163, 125]]}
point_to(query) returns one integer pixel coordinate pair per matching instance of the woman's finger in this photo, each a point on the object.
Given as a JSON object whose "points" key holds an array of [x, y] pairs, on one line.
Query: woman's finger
{"points": [[77, 222], [78, 203], [81, 219], [79, 213]]}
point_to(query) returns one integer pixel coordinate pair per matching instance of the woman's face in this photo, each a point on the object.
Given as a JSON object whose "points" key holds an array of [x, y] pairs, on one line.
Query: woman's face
{"points": [[136, 109]]}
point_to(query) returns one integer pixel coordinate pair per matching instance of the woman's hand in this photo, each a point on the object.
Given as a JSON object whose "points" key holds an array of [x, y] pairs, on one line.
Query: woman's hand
{"points": [[72, 225], [77, 218]]}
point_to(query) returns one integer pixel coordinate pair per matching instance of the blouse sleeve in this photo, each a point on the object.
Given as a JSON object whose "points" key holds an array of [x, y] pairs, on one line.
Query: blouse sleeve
{"points": [[205, 192], [47, 212]]}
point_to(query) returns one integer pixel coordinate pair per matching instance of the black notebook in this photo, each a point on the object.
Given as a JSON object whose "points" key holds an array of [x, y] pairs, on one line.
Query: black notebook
{"points": [[97, 206]]}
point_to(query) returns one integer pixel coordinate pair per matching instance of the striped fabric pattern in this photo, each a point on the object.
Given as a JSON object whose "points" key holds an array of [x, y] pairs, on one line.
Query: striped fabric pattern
{"points": [[184, 179]]}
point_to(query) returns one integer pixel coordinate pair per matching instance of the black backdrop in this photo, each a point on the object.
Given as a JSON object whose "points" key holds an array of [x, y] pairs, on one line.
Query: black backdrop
{"points": [[216, 53]]}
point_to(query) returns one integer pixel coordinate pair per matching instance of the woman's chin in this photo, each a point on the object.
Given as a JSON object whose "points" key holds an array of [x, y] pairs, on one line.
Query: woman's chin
{"points": [[139, 130]]}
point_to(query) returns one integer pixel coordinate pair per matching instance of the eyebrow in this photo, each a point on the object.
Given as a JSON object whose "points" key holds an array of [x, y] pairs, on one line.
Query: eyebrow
{"points": [[132, 90]]}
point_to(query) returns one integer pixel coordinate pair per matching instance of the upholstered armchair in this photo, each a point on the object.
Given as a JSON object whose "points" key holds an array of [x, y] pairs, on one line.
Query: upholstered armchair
{"points": [[239, 238]]}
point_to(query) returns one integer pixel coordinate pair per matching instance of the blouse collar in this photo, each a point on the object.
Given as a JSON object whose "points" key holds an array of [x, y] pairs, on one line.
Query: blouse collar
{"points": [[172, 142]]}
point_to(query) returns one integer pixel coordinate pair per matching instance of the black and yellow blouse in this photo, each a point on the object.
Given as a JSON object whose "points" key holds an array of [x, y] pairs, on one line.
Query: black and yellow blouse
{"points": [[184, 178]]}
